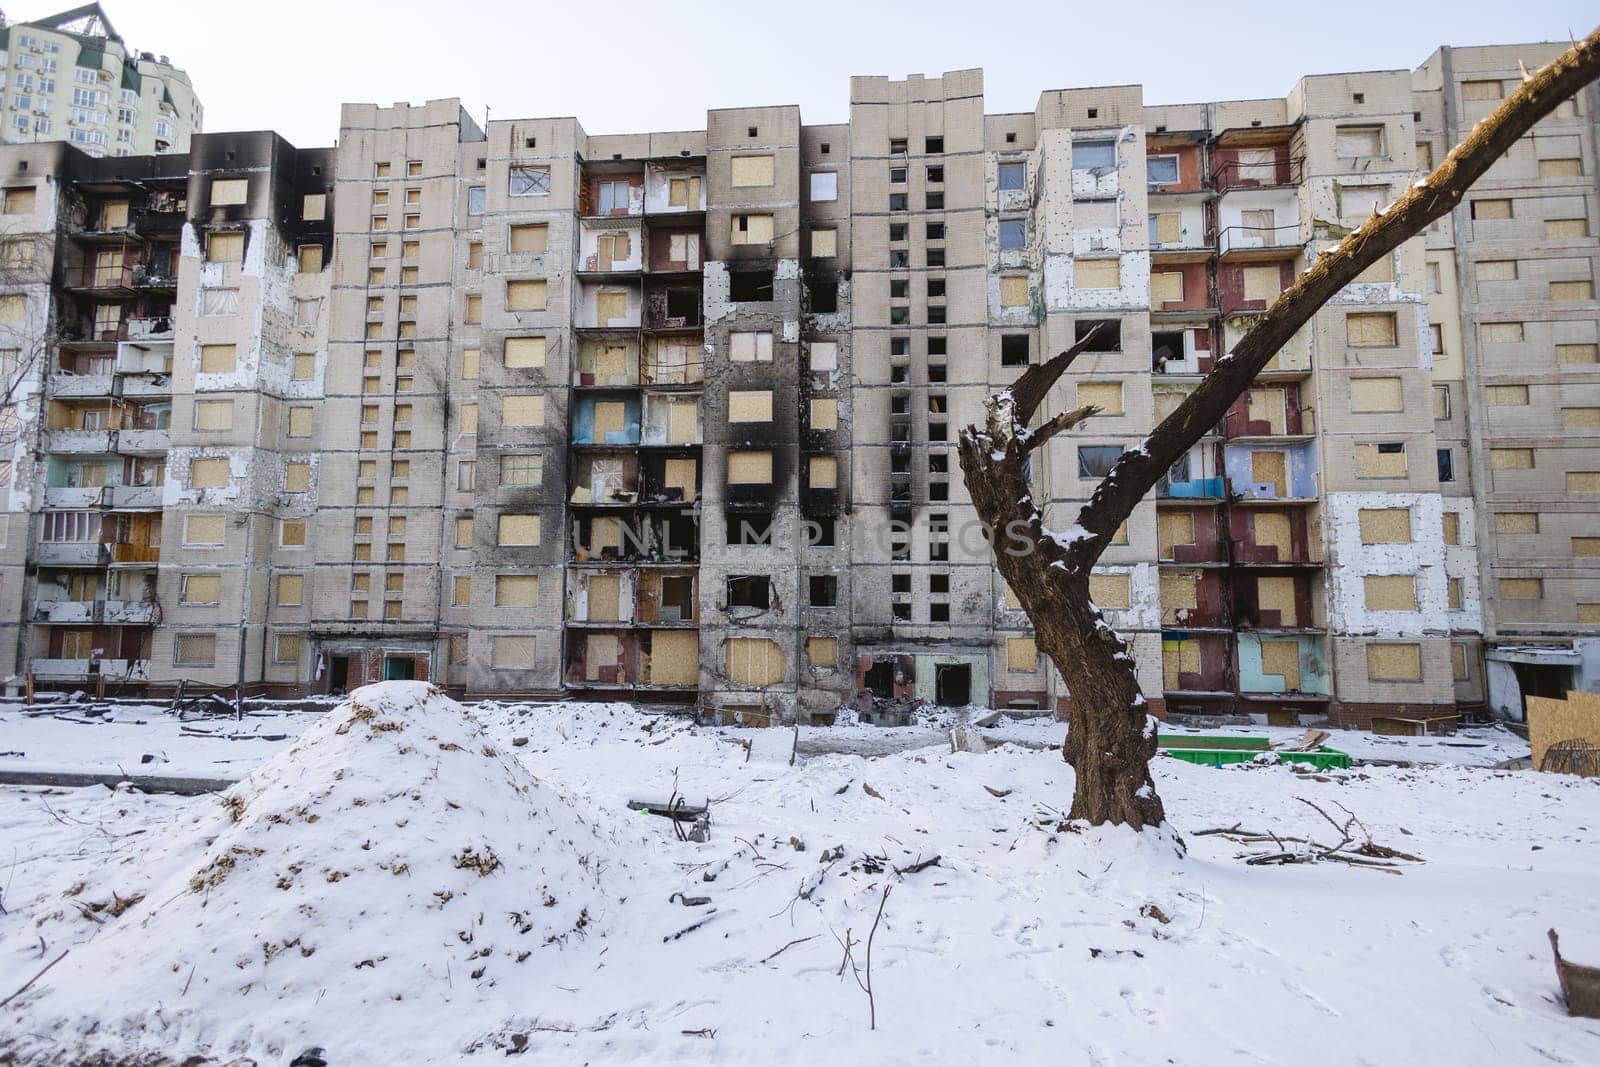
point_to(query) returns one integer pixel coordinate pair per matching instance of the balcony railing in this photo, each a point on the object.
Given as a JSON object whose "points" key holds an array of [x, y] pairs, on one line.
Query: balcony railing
{"points": [[1259, 238], [127, 552], [76, 669], [1233, 174]]}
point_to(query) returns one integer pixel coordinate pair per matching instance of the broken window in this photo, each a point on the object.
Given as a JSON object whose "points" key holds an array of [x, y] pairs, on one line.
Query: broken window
{"points": [[751, 229], [1094, 155], [1096, 461], [750, 528], [1447, 465], [1358, 142], [935, 201], [1013, 233], [529, 181], [1107, 336], [749, 591], [898, 202], [824, 186], [824, 296], [1013, 175], [750, 285], [897, 145]]}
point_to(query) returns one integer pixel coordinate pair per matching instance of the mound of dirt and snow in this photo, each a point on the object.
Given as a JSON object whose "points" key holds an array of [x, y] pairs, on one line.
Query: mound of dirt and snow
{"points": [[392, 858]]}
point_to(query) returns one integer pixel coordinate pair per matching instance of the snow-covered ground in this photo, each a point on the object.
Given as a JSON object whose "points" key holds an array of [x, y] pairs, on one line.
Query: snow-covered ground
{"points": [[334, 898]]}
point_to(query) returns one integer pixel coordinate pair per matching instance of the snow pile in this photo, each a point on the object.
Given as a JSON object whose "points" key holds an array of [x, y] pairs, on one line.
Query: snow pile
{"points": [[393, 860]]}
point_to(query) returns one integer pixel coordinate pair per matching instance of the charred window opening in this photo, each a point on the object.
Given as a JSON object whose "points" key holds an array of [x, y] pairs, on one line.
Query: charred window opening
{"points": [[750, 528], [1014, 350], [820, 531], [933, 145], [900, 404], [1108, 334], [939, 492], [825, 296], [677, 598], [749, 591], [936, 174], [935, 288], [938, 583], [938, 346], [899, 288], [901, 611], [879, 679], [900, 583], [684, 304], [750, 285], [823, 590], [938, 612], [1165, 347], [900, 463], [899, 374]]}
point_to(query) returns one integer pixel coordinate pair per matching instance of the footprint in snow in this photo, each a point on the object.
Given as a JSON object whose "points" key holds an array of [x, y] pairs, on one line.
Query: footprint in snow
{"points": [[1311, 998]]}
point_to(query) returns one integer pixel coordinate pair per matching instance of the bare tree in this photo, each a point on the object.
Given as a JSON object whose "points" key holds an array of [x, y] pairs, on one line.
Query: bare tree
{"points": [[1111, 738]]}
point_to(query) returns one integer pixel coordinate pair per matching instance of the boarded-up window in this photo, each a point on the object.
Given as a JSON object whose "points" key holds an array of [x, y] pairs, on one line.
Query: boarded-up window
{"points": [[674, 658], [1394, 663], [291, 590], [292, 533], [1173, 528], [1263, 283], [1577, 290], [527, 295], [200, 589], [1270, 467], [1564, 229], [518, 530], [19, 201], [605, 598], [1168, 227], [750, 468], [1561, 168], [750, 347], [1511, 459], [195, 650], [1577, 355], [1014, 291], [680, 474], [684, 193], [1497, 270], [1109, 590], [745, 229], [1282, 659], [751, 171], [1166, 285], [218, 359], [823, 652], [286, 648], [1452, 528], [610, 416], [1382, 270], [297, 477], [1482, 90], [208, 473], [1277, 593], [753, 661], [1179, 593], [1390, 592], [1516, 522], [1381, 461], [1580, 418], [1370, 329], [213, 415], [300, 422], [1492, 209], [611, 305], [824, 243], [1500, 333], [464, 532], [1522, 588], [226, 192], [751, 405], [683, 422], [530, 237], [524, 351], [824, 472], [1588, 547], [516, 590], [523, 409], [1385, 526], [1506, 395], [1376, 394], [469, 418], [1583, 481], [204, 529], [225, 248], [304, 367], [310, 257], [824, 413], [1589, 613], [1358, 142], [13, 307], [1097, 273], [1107, 396], [513, 651], [1022, 654], [1453, 595]]}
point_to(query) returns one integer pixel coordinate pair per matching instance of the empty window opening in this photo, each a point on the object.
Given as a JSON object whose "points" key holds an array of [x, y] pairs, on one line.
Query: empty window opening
{"points": [[750, 528], [749, 591], [824, 590], [750, 285], [1107, 334], [953, 681], [825, 296]]}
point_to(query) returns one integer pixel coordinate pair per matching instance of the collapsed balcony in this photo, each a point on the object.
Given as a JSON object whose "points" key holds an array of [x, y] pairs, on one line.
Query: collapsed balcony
{"points": [[636, 537]]}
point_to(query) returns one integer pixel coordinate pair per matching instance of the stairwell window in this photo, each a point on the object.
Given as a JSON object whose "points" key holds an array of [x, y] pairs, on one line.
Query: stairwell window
{"points": [[529, 181]]}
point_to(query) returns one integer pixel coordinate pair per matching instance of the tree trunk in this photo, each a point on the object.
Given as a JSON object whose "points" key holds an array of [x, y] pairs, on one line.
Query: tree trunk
{"points": [[1111, 738]]}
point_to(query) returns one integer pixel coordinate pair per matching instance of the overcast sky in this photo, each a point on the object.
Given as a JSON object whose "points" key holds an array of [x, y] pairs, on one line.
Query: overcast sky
{"points": [[622, 67]]}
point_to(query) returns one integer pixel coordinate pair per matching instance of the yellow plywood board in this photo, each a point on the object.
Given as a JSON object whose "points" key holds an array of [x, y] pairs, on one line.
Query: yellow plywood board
{"points": [[1271, 407], [1385, 526], [610, 416], [1452, 528], [683, 422], [1551, 721], [680, 474], [1390, 592], [1263, 283], [1376, 395], [1022, 654], [750, 405], [605, 597], [610, 362], [1173, 528], [1179, 592], [1283, 659], [1276, 593], [1271, 468], [754, 661], [674, 657], [1107, 396], [1371, 463], [750, 468], [1394, 662], [1109, 590], [1272, 529]]}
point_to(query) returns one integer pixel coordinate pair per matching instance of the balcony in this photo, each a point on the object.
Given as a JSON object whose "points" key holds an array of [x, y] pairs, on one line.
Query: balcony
{"points": [[78, 669], [140, 384], [81, 385], [130, 612], [1241, 242], [75, 497], [68, 611], [103, 280], [143, 441], [150, 328], [68, 442], [1261, 168], [72, 554], [135, 496], [128, 552]]}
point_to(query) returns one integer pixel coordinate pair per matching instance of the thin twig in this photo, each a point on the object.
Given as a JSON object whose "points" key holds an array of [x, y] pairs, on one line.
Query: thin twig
{"points": [[35, 978], [792, 944]]}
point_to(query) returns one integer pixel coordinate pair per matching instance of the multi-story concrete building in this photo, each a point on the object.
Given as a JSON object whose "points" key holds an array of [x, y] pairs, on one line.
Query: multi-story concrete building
{"points": [[672, 416], [70, 77]]}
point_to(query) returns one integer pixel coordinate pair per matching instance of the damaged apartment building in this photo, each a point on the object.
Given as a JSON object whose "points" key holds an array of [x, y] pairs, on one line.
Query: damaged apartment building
{"points": [[671, 417]]}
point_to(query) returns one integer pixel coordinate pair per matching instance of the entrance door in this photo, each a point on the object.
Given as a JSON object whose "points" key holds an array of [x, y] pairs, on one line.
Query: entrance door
{"points": [[953, 685], [399, 668], [880, 679], [338, 674]]}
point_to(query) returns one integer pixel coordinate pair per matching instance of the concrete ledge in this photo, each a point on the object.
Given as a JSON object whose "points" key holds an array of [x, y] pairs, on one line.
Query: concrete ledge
{"points": [[148, 783]]}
